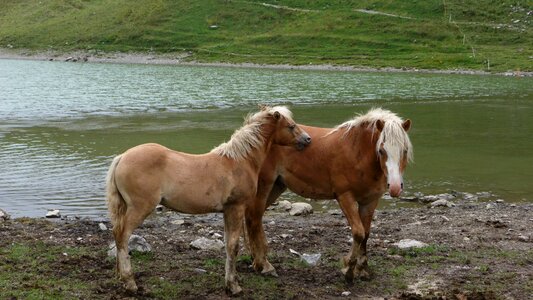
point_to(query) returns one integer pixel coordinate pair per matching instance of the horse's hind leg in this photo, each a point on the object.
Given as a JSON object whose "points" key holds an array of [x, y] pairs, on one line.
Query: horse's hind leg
{"points": [[355, 261], [132, 218], [233, 217]]}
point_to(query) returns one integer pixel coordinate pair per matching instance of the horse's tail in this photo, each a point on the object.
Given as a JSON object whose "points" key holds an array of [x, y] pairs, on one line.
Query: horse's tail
{"points": [[115, 202]]}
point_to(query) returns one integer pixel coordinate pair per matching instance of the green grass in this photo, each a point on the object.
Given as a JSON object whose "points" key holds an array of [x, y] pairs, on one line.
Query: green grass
{"points": [[439, 34], [28, 272]]}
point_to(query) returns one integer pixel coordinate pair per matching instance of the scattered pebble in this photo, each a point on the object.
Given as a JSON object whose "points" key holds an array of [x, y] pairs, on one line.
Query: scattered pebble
{"points": [[500, 201], [178, 222], [445, 218], [346, 294], [466, 239], [102, 226]]}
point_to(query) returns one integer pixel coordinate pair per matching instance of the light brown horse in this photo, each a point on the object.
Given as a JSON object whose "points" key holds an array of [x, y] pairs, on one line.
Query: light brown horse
{"points": [[354, 163], [223, 180]]}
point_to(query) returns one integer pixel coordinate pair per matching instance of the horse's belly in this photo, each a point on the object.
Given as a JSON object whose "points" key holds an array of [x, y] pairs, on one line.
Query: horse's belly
{"points": [[313, 191], [194, 203]]}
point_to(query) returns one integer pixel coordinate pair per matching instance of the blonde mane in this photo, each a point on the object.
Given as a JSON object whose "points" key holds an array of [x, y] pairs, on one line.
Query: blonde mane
{"points": [[393, 136], [249, 136]]}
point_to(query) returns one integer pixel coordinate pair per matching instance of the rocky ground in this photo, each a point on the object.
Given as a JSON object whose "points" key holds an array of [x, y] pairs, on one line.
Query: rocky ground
{"points": [[474, 250]]}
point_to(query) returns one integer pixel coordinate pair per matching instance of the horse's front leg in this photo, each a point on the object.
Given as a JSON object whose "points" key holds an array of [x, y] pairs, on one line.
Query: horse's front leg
{"points": [[366, 212], [254, 226], [233, 218], [355, 261]]}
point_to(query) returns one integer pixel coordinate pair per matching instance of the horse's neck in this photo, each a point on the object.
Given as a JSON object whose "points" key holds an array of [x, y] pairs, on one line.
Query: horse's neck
{"points": [[257, 156], [363, 143]]}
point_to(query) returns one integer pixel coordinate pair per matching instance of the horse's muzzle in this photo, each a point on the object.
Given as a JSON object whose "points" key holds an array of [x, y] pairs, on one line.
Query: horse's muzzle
{"points": [[303, 142], [395, 190]]}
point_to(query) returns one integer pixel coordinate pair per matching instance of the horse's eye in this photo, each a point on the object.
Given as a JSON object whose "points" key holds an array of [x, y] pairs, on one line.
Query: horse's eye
{"points": [[292, 126], [381, 152]]}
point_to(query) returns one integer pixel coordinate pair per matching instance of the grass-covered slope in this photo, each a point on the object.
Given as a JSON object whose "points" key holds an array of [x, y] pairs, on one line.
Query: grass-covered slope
{"points": [[441, 34]]}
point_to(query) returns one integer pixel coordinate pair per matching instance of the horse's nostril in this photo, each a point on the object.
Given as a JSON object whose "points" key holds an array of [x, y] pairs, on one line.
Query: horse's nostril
{"points": [[308, 139], [388, 185], [402, 185]]}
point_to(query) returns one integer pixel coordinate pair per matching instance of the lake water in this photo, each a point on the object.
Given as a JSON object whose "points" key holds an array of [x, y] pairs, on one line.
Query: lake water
{"points": [[61, 123]]}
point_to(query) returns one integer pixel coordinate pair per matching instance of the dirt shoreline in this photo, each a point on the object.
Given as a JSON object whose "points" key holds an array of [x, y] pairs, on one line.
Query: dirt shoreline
{"points": [[183, 59], [475, 251]]}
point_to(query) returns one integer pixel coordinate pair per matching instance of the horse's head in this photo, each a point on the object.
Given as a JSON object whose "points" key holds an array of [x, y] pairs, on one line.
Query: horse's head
{"points": [[394, 151], [287, 132]]}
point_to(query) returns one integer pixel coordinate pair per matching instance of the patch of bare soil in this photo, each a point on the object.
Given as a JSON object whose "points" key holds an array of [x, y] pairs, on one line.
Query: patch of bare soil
{"points": [[473, 252]]}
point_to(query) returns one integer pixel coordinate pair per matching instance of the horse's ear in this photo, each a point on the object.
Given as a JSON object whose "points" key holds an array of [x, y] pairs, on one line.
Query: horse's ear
{"points": [[380, 124], [262, 107], [406, 125], [276, 115]]}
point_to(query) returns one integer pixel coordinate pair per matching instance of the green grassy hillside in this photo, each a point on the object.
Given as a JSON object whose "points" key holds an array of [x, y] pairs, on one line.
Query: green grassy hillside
{"points": [[430, 34]]}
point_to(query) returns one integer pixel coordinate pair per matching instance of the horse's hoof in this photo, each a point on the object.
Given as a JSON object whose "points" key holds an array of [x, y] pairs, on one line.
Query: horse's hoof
{"points": [[348, 274], [269, 270], [272, 273], [233, 289], [362, 275], [131, 287]]}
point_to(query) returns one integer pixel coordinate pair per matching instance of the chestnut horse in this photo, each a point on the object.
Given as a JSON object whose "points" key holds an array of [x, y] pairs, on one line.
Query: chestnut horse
{"points": [[223, 180], [354, 163]]}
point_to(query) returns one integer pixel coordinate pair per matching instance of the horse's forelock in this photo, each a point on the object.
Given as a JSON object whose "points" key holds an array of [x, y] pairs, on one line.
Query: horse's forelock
{"points": [[393, 135]]}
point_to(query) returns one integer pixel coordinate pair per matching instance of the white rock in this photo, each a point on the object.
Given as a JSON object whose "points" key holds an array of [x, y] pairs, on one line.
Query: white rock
{"points": [[445, 218], [4, 215], [216, 235], [346, 294], [102, 226], [284, 235], [284, 205], [523, 238], [466, 239], [408, 243], [500, 201], [335, 212], [207, 244], [53, 213], [301, 209], [135, 243], [311, 259], [442, 202], [178, 222], [490, 206]]}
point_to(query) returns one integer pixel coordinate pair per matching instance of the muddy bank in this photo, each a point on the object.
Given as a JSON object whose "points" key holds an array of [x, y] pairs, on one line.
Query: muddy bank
{"points": [[184, 58], [473, 251]]}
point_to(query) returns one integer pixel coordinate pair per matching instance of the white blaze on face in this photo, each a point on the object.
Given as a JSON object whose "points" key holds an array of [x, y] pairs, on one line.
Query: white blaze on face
{"points": [[394, 177]]}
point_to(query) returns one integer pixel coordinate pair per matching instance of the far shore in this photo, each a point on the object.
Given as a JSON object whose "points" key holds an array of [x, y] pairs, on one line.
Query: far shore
{"points": [[183, 59]]}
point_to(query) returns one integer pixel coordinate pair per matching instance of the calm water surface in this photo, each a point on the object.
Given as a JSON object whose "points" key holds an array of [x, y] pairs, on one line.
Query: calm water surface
{"points": [[61, 123]]}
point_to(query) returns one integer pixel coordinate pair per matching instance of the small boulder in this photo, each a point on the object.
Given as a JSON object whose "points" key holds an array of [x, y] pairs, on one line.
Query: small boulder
{"points": [[53, 213], [135, 243], [207, 244], [442, 202], [301, 209], [408, 244], [284, 205]]}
